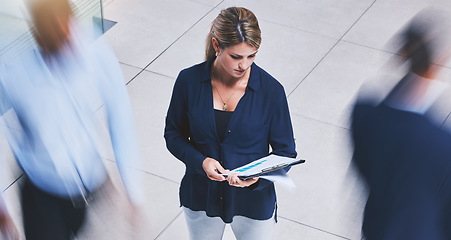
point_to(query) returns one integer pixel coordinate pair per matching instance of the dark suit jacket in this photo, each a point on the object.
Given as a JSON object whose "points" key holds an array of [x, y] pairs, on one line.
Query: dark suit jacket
{"points": [[406, 163]]}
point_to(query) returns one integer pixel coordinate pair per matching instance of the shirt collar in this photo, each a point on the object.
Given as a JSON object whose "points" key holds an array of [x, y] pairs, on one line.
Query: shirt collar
{"points": [[419, 104], [254, 79]]}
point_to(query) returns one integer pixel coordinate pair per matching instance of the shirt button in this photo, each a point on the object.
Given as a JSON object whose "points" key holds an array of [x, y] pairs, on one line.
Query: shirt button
{"points": [[220, 198], [229, 131]]}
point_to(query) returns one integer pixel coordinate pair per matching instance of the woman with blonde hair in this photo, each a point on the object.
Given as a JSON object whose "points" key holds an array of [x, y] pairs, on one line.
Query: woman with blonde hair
{"points": [[224, 113]]}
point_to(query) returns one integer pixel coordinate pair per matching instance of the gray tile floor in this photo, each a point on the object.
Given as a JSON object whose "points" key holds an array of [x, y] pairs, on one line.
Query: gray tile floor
{"points": [[321, 51]]}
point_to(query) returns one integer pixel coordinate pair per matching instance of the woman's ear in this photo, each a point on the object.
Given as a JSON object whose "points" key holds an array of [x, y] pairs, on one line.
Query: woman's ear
{"points": [[215, 44]]}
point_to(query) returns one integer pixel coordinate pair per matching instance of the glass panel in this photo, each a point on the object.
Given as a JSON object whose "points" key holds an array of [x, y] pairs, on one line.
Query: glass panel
{"points": [[14, 20], [89, 13], [14, 32]]}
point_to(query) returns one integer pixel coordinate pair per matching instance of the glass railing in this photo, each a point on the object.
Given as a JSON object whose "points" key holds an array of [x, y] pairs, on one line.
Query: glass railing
{"points": [[14, 24]]}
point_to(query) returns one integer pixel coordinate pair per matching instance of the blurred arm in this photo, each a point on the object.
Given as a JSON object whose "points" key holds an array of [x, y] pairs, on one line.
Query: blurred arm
{"points": [[121, 123]]}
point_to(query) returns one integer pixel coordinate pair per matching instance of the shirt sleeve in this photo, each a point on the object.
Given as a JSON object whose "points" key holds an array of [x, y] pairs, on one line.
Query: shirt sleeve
{"points": [[177, 133], [281, 137], [121, 124], [358, 127]]}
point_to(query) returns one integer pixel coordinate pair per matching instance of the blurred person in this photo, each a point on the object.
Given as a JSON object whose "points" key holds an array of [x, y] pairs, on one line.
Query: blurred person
{"points": [[224, 113], [403, 157], [53, 92]]}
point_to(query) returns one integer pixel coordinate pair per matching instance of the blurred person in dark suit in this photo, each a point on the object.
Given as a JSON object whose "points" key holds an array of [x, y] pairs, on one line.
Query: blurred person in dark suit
{"points": [[403, 157], [53, 91]]}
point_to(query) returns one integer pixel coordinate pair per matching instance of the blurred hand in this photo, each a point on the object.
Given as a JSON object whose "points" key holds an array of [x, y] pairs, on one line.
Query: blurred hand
{"points": [[136, 216], [213, 169], [235, 181], [8, 230], [137, 222]]}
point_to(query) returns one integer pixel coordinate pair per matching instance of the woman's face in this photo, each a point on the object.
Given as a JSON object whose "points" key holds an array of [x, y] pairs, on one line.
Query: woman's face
{"points": [[235, 60]]}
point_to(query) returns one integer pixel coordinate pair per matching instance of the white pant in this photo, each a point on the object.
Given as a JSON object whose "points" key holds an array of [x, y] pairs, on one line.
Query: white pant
{"points": [[203, 227]]}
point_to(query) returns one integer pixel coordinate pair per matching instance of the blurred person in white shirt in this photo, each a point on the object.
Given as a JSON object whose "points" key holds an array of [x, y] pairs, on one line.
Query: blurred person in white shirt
{"points": [[49, 96]]}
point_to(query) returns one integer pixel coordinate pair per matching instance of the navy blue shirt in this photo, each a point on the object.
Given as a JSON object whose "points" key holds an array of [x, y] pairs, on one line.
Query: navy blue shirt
{"points": [[260, 120]]}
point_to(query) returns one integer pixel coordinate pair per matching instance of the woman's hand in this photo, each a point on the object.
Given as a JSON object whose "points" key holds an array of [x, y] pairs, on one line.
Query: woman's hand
{"points": [[235, 181], [213, 169]]}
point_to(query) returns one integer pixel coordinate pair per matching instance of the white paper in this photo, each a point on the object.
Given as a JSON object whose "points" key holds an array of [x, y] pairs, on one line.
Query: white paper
{"points": [[280, 178]]}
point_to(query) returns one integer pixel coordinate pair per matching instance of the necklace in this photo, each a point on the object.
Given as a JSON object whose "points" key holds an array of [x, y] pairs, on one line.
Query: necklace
{"points": [[224, 106]]}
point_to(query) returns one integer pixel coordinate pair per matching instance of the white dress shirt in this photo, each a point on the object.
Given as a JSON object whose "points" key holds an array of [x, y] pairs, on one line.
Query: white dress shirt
{"points": [[50, 104], [417, 94]]}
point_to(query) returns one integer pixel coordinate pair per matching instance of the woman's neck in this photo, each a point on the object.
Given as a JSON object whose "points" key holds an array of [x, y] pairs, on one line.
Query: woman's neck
{"points": [[219, 74]]}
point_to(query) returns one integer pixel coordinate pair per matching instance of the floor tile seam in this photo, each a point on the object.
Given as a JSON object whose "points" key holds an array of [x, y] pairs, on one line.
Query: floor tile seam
{"points": [[129, 65], [320, 121], [146, 70], [170, 223], [369, 47], [298, 29], [330, 50], [309, 226], [202, 3], [386, 51], [313, 68], [133, 66], [161, 177], [358, 19], [10, 185], [160, 74], [444, 121], [357, 44], [153, 174], [146, 172], [176, 40]]}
